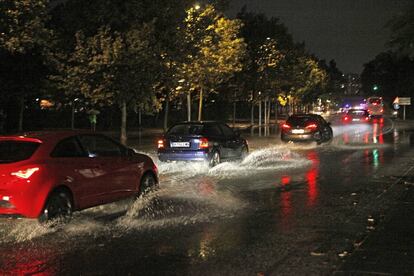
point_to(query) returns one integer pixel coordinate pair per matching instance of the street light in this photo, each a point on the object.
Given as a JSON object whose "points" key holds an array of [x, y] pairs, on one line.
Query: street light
{"points": [[197, 6]]}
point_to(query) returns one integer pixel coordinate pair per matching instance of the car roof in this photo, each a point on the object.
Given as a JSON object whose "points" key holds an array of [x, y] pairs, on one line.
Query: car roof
{"points": [[356, 109], [46, 135], [309, 115], [198, 122]]}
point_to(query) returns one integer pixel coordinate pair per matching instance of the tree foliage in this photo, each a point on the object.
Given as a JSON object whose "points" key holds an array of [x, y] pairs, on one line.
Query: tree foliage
{"points": [[391, 73], [22, 24], [402, 29], [214, 50]]}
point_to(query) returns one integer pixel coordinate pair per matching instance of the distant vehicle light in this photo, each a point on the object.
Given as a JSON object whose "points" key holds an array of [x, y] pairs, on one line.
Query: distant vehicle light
{"points": [[161, 144]]}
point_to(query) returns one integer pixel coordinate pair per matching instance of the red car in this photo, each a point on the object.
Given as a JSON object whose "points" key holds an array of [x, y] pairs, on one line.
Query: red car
{"points": [[356, 116], [48, 175]]}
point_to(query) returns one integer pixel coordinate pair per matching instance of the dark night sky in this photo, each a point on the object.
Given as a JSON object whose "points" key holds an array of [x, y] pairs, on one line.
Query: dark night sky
{"points": [[350, 31]]}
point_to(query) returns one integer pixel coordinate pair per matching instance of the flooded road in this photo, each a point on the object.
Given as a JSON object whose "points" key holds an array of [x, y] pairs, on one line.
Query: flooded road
{"points": [[287, 209]]}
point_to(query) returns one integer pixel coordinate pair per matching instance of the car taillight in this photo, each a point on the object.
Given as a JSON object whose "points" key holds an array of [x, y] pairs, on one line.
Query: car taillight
{"points": [[26, 173], [382, 110], [286, 126], [366, 118], [312, 126], [346, 118], [203, 143], [161, 144]]}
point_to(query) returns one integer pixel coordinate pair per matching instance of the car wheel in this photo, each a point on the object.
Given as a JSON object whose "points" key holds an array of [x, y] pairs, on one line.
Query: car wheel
{"points": [[318, 137], [148, 183], [58, 209], [215, 159], [330, 134]]}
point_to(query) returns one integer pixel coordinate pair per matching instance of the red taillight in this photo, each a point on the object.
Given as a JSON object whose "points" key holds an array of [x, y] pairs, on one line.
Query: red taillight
{"points": [[382, 110], [374, 103], [26, 173], [286, 126], [366, 118], [312, 126], [161, 144], [203, 143], [346, 118]]}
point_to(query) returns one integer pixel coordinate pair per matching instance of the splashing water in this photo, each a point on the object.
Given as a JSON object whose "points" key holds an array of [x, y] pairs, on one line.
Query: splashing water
{"points": [[189, 193]]}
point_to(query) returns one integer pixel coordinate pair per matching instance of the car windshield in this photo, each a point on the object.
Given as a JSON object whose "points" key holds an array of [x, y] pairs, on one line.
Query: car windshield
{"points": [[186, 129], [300, 120], [15, 151]]}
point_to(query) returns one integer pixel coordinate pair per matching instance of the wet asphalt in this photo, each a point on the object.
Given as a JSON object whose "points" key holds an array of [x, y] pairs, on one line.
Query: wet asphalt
{"points": [[287, 209]]}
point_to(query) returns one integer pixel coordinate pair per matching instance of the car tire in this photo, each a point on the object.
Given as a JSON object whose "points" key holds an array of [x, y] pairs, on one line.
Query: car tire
{"points": [[148, 183], [58, 209], [320, 139], [330, 134], [215, 159]]}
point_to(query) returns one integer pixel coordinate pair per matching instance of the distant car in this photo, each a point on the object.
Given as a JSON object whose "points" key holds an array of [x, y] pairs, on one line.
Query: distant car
{"points": [[201, 141], [306, 127], [48, 175], [356, 116]]}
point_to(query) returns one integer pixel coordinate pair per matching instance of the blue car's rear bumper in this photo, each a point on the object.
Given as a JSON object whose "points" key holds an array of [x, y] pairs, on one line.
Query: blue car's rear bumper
{"points": [[189, 155]]}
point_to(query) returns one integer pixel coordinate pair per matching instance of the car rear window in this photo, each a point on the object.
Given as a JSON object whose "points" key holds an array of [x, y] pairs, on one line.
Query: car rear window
{"points": [[375, 101], [186, 129], [15, 151], [357, 112], [301, 120]]}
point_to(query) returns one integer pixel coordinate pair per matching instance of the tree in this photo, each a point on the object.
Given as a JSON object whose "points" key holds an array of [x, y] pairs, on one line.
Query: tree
{"points": [[391, 73], [112, 67], [262, 33], [402, 29], [314, 80], [22, 25], [163, 15], [214, 52], [23, 36]]}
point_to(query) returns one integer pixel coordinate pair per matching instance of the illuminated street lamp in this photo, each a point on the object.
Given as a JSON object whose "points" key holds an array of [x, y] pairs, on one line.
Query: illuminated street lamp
{"points": [[197, 6]]}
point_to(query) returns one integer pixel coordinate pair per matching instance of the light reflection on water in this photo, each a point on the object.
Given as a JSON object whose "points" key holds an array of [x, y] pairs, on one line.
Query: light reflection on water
{"points": [[204, 197]]}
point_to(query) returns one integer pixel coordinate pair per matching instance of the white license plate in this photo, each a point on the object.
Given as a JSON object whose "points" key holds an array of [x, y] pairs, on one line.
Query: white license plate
{"points": [[180, 144], [298, 131], [355, 120]]}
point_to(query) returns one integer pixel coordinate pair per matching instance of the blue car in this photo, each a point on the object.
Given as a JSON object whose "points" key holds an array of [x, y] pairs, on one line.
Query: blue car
{"points": [[201, 141]]}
